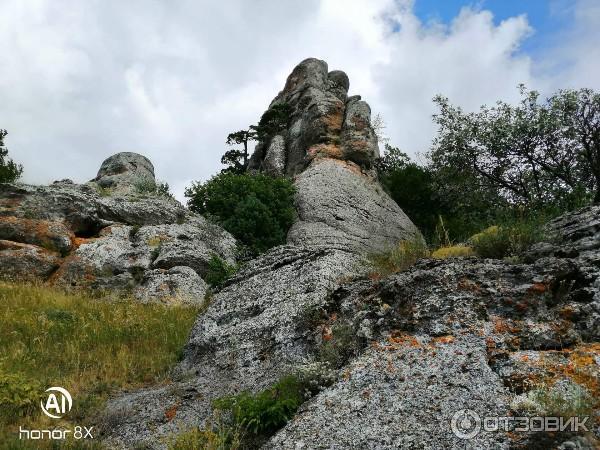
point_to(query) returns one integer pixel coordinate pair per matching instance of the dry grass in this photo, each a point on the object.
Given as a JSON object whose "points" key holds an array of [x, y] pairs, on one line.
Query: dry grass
{"points": [[398, 259], [454, 251], [91, 347]]}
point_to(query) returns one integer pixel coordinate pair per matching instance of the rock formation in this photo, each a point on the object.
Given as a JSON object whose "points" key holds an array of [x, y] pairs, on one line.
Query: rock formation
{"points": [[329, 145], [443, 336], [109, 235]]}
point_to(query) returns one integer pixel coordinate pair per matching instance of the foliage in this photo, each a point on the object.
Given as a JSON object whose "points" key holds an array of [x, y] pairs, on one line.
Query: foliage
{"points": [[535, 154], [265, 412], [218, 271], [563, 399], [147, 186], [257, 209], [454, 251], [340, 345], [9, 171], [511, 239], [19, 396], [411, 187], [92, 347], [236, 160], [399, 258], [274, 120], [216, 435]]}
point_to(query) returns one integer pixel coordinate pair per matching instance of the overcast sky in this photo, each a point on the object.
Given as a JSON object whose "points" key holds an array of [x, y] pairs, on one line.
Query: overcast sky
{"points": [[83, 79]]}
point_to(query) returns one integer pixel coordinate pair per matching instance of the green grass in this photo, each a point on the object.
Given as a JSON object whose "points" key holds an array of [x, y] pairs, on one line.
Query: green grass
{"points": [[91, 347]]}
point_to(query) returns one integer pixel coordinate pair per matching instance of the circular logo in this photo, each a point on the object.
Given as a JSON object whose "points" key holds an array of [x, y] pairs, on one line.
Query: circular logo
{"points": [[58, 403], [465, 424]]}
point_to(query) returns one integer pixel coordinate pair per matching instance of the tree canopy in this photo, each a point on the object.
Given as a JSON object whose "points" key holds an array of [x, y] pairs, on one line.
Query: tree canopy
{"points": [[9, 170]]}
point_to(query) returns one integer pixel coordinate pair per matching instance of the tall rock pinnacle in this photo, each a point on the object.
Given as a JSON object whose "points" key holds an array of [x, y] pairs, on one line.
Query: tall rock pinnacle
{"points": [[328, 145], [323, 122]]}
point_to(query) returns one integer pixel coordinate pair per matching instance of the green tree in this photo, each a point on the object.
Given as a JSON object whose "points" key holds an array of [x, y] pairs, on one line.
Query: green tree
{"points": [[9, 171], [257, 209], [411, 187], [274, 120], [236, 159], [534, 154]]}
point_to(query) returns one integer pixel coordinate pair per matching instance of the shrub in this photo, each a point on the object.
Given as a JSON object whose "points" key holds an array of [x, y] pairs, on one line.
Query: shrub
{"points": [[267, 411], [454, 251], [147, 186], [506, 241], [216, 435], [400, 258], [218, 271], [341, 345], [19, 396], [257, 209]]}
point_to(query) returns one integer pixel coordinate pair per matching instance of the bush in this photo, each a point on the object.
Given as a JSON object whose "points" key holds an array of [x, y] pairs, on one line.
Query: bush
{"points": [[454, 251], [147, 186], [218, 271], [341, 345], [216, 435], [257, 209], [509, 240], [19, 396], [399, 258], [264, 413]]}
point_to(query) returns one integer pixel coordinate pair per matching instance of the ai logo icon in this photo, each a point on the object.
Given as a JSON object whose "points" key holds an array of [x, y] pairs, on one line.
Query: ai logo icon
{"points": [[58, 402]]}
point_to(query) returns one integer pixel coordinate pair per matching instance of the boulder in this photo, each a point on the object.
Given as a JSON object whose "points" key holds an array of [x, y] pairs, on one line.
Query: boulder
{"points": [[180, 283], [51, 235], [125, 171], [252, 333], [25, 262]]}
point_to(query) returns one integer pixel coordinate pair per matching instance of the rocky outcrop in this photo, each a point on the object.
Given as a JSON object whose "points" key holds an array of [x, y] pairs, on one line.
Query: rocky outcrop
{"points": [[253, 332], [122, 239], [411, 350], [465, 334], [328, 144]]}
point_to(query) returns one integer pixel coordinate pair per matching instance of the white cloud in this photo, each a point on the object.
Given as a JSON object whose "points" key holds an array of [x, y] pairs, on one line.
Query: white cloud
{"points": [[82, 80]]}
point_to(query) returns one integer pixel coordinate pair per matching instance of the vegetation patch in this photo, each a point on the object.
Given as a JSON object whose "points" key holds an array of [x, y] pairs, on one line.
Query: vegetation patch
{"points": [[91, 347], [265, 412], [218, 271], [399, 258], [258, 210], [453, 251]]}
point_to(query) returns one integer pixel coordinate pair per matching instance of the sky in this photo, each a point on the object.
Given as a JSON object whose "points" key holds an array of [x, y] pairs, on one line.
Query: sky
{"points": [[80, 81]]}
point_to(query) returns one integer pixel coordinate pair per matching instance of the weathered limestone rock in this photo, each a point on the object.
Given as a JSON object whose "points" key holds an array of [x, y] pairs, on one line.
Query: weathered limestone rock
{"points": [[26, 262], [339, 207], [180, 283], [252, 333], [463, 334], [51, 235], [85, 236], [330, 146], [123, 170]]}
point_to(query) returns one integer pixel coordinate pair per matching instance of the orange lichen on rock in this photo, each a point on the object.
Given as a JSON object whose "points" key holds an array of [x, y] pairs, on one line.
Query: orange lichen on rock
{"points": [[51, 235]]}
